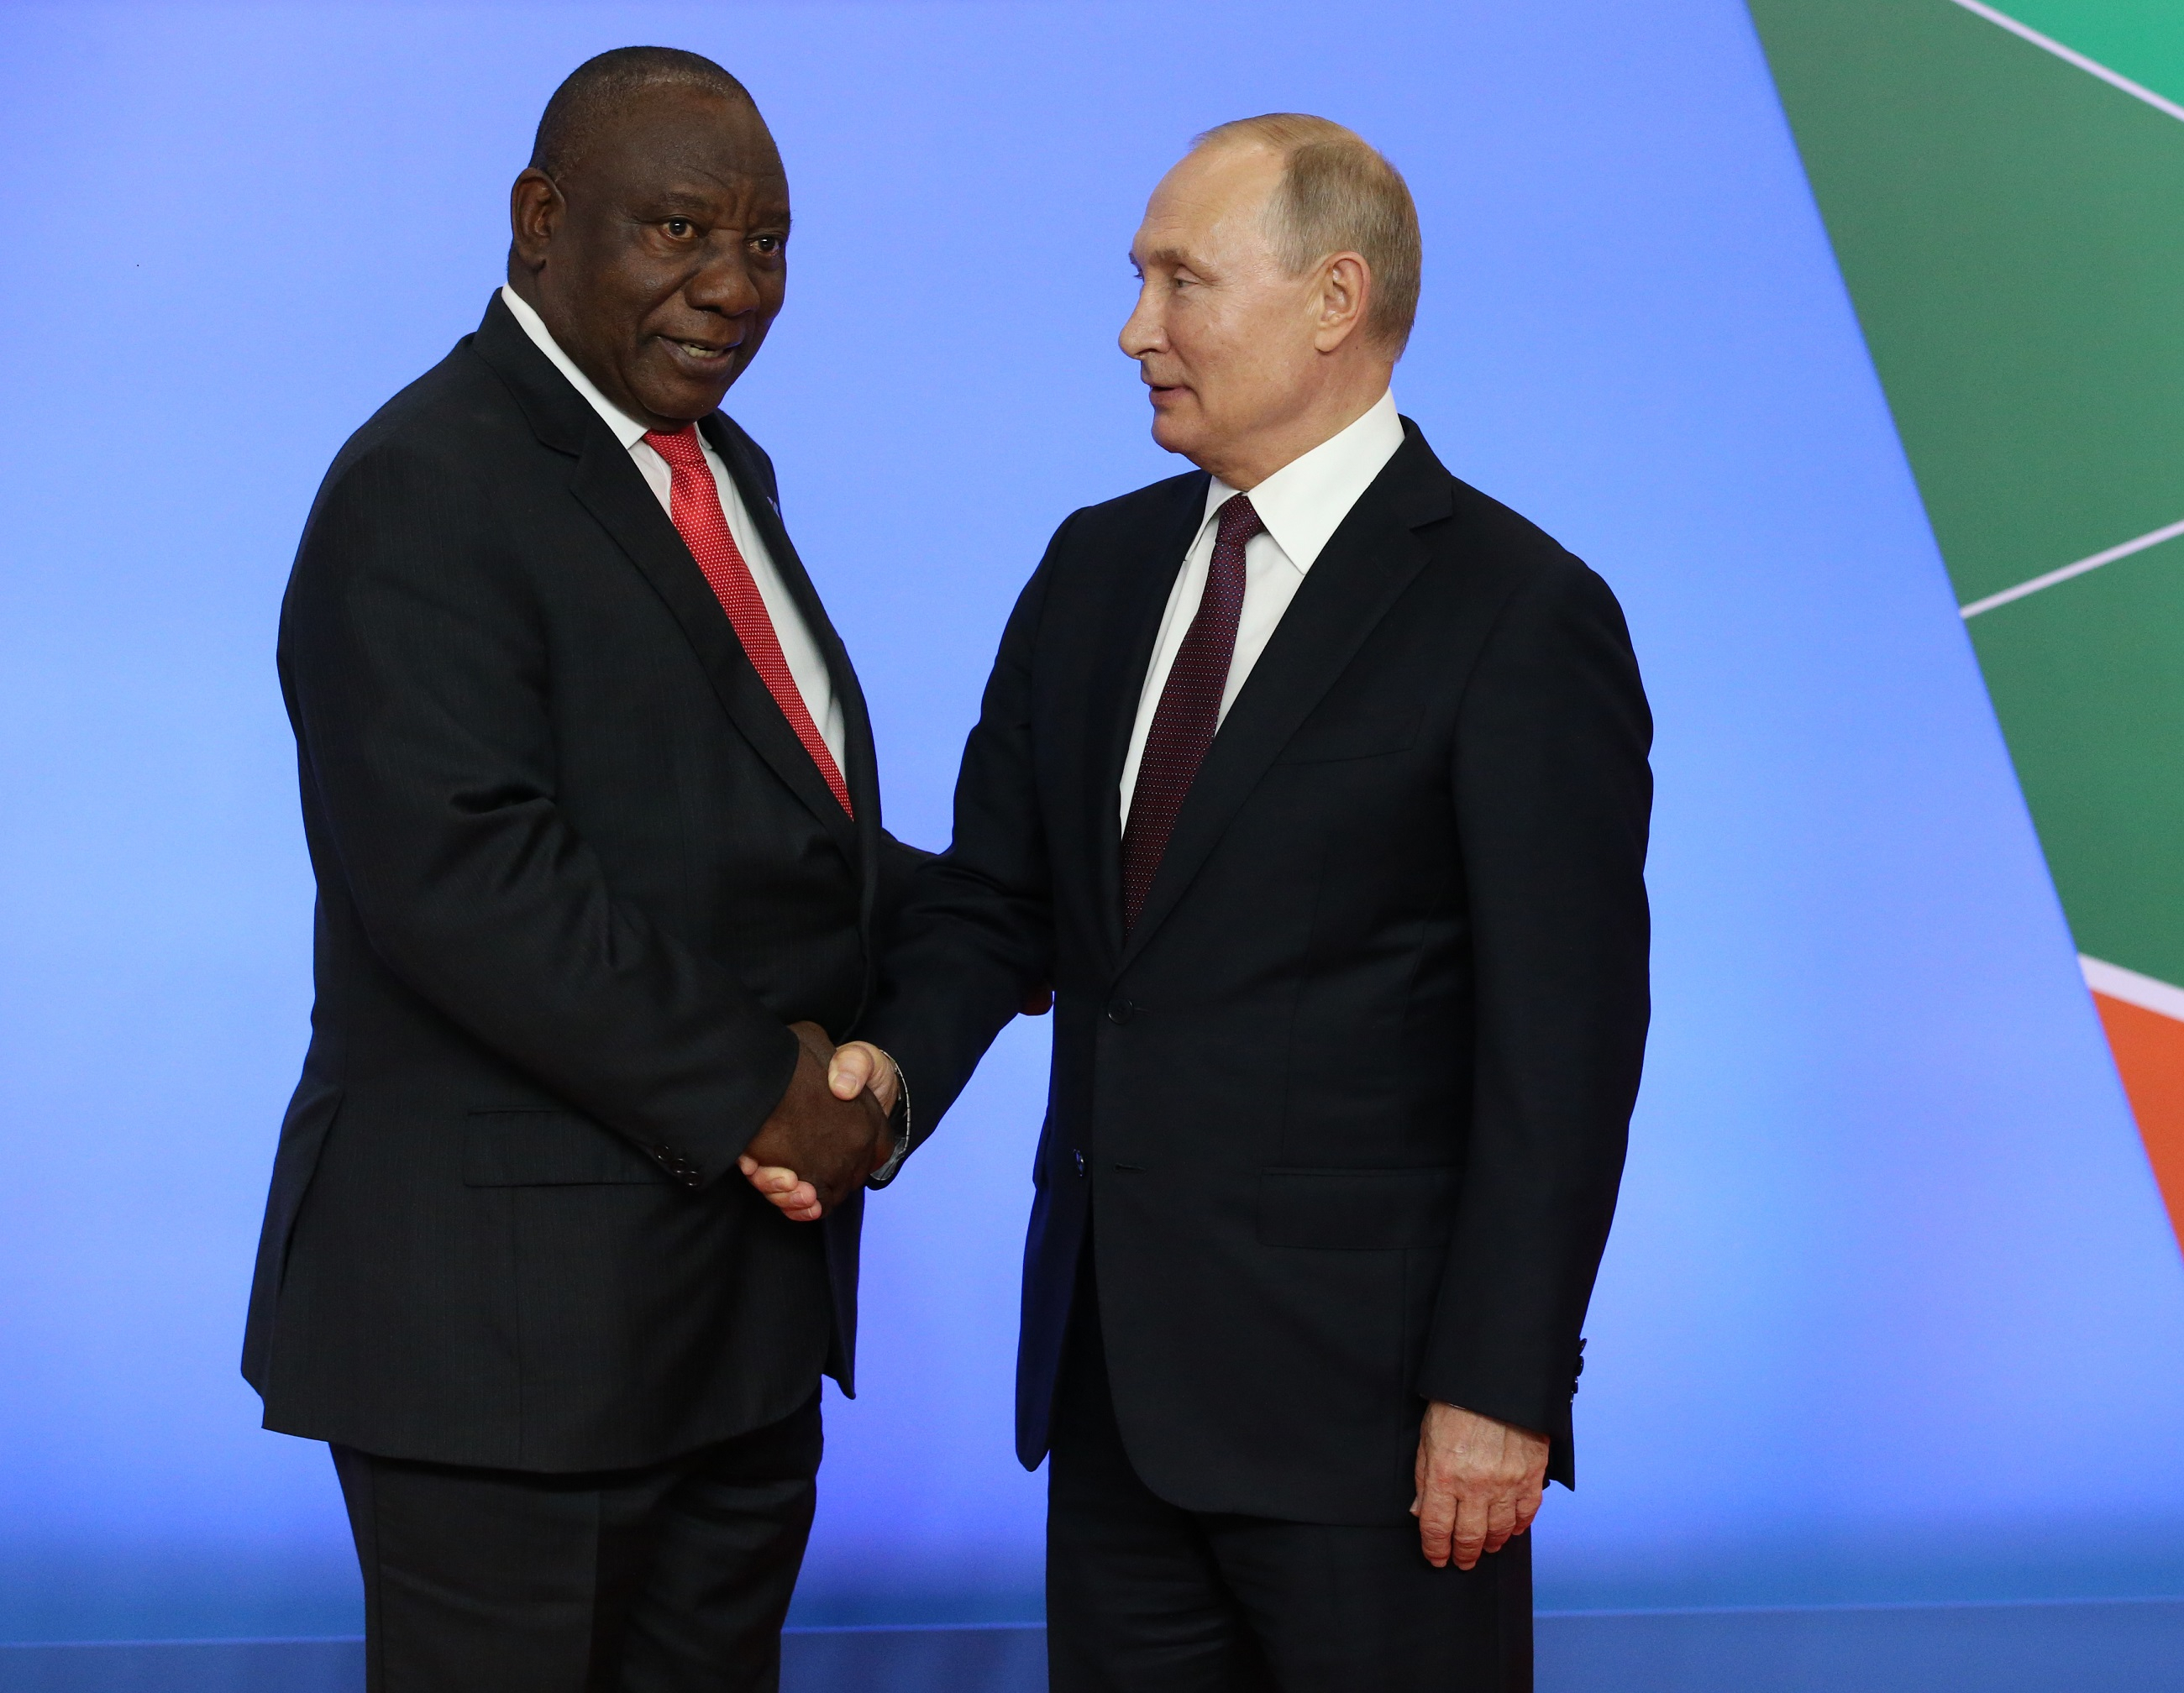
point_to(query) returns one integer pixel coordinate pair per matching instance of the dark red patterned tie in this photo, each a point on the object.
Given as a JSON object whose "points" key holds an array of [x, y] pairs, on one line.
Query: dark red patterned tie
{"points": [[1190, 709], [694, 501]]}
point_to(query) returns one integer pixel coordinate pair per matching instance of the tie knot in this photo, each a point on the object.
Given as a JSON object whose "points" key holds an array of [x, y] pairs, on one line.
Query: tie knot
{"points": [[1238, 522], [679, 447]]}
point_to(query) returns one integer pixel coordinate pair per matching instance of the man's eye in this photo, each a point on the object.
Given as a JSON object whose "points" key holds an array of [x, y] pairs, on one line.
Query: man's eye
{"points": [[766, 244], [679, 228]]}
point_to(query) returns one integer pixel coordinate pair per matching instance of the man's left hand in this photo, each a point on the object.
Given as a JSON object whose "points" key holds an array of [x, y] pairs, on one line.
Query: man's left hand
{"points": [[1480, 1483]]}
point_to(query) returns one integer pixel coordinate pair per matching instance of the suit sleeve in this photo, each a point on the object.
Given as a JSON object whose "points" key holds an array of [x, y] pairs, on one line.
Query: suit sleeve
{"points": [[977, 933], [901, 867], [415, 657], [1552, 795]]}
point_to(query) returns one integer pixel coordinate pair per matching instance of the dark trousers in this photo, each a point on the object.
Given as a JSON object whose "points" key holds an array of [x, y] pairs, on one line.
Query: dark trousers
{"points": [[1143, 1596], [662, 1580]]}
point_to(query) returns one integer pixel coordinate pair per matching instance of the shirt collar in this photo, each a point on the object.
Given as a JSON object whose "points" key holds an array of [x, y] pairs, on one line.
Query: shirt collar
{"points": [[1304, 502], [626, 429]]}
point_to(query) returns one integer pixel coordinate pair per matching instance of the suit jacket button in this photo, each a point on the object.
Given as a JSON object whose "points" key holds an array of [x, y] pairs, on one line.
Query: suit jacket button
{"points": [[1079, 1157], [1121, 1012]]}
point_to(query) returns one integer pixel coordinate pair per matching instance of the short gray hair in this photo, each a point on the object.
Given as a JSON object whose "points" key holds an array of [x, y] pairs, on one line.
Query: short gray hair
{"points": [[1339, 195]]}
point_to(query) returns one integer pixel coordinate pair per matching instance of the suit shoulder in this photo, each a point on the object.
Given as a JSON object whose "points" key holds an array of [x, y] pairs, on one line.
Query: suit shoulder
{"points": [[447, 415], [1480, 521], [1131, 515], [1483, 527], [431, 458]]}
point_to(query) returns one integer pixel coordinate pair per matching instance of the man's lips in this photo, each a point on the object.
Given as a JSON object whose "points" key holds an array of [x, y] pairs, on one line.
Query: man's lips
{"points": [[701, 357]]}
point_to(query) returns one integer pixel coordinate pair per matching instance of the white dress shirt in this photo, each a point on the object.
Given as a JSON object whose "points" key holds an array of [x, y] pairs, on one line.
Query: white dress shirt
{"points": [[805, 663], [1301, 505]]}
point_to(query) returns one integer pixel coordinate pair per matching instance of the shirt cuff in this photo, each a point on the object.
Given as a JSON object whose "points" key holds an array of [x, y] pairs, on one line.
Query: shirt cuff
{"points": [[898, 1120]]}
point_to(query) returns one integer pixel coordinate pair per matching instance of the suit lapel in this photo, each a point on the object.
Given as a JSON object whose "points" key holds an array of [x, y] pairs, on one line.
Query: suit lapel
{"points": [[1354, 583], [861, 770], [1118, 681], [611, 488]]}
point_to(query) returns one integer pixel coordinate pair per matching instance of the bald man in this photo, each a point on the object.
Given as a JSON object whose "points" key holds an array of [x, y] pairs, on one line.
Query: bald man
{"points": [[1316, 783], [589, 792]]}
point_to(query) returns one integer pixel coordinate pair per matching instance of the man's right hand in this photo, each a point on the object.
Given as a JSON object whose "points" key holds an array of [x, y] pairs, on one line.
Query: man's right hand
{"points": [[831, 1142], [858, 1065]]}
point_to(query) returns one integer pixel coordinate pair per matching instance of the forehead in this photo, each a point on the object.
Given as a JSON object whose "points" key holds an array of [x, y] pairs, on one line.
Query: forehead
{"points": [[678, 142], [1212, 202]]}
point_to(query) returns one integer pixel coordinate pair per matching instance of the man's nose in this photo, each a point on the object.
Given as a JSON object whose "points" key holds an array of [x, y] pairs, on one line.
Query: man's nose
{"points": [[1141, 331], [724, 283]]}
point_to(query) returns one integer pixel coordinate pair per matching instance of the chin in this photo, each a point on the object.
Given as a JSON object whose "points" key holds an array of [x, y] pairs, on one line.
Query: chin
{"points": [[673, 392], [1172, 433], [683, 401]]}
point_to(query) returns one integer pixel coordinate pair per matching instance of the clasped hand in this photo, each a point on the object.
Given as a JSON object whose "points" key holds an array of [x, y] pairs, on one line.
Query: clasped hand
{"points": [[830, 1130]]}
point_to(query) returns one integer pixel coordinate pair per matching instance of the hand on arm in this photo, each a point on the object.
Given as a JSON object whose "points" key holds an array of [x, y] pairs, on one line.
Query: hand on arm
{"points": [[822, 1139], [1478, 1481], [856, 1074]]}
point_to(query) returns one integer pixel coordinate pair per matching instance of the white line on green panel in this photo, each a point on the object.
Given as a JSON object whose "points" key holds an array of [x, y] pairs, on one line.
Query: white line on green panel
{"points": [[2071, 56], [2154, 537], [2147, 993]]}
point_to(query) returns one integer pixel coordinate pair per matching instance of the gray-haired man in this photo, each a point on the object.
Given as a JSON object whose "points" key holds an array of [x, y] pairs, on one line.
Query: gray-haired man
{"points": [[1316, 783]]}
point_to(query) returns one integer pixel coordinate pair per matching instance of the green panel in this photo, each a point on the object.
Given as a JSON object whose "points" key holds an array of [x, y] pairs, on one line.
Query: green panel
{"points": [[2012, 231], [2140, 39], [2088, 678], [2011, 228]]}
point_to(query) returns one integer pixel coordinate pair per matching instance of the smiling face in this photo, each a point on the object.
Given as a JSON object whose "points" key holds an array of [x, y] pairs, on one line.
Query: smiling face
{"points": [[1229, 345], [660, 259]]}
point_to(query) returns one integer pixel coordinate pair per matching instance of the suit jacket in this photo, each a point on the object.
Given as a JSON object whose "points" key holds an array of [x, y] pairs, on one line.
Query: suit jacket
{"points": [[1350, 1102], [575, 876]]}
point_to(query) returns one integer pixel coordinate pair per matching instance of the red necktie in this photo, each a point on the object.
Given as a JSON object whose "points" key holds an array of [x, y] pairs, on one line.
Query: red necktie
{"points": [[694, 501], [1190, 709]]}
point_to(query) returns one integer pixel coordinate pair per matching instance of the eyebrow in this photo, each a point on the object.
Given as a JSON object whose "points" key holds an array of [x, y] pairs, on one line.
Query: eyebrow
{"points": [[688, 197]]}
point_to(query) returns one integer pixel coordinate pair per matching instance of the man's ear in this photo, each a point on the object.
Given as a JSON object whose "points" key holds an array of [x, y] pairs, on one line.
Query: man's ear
{"points": [[534, 214], [1345, 295]]}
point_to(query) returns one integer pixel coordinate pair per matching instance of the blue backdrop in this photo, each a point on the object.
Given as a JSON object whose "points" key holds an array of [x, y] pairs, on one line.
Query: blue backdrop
{"points": [[1892, 1310]]}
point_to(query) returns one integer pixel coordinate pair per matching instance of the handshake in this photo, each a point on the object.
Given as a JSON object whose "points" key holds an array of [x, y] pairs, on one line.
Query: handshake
{"points": [[831, 1129]]}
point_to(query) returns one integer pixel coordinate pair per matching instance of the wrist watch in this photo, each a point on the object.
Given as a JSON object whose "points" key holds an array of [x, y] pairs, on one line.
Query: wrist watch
{"points": [[898, 1121]]}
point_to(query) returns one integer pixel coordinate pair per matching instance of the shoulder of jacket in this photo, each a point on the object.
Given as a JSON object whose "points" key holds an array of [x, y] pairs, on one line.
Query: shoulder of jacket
{"points": [[1482, 526], [1154, 503], [439, 452], [1484, 519], [438, 421]]}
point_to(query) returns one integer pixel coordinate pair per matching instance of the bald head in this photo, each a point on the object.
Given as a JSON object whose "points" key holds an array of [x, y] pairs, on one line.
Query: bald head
{"points": [[608, 87]]}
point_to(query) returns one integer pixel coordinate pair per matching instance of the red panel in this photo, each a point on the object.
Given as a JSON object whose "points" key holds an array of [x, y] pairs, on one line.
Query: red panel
{"points": [[2149, 1053]]}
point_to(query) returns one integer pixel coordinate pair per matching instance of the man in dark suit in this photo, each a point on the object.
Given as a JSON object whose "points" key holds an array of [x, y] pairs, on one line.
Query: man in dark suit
{"points": [[1317, 784], [589, 792]]}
